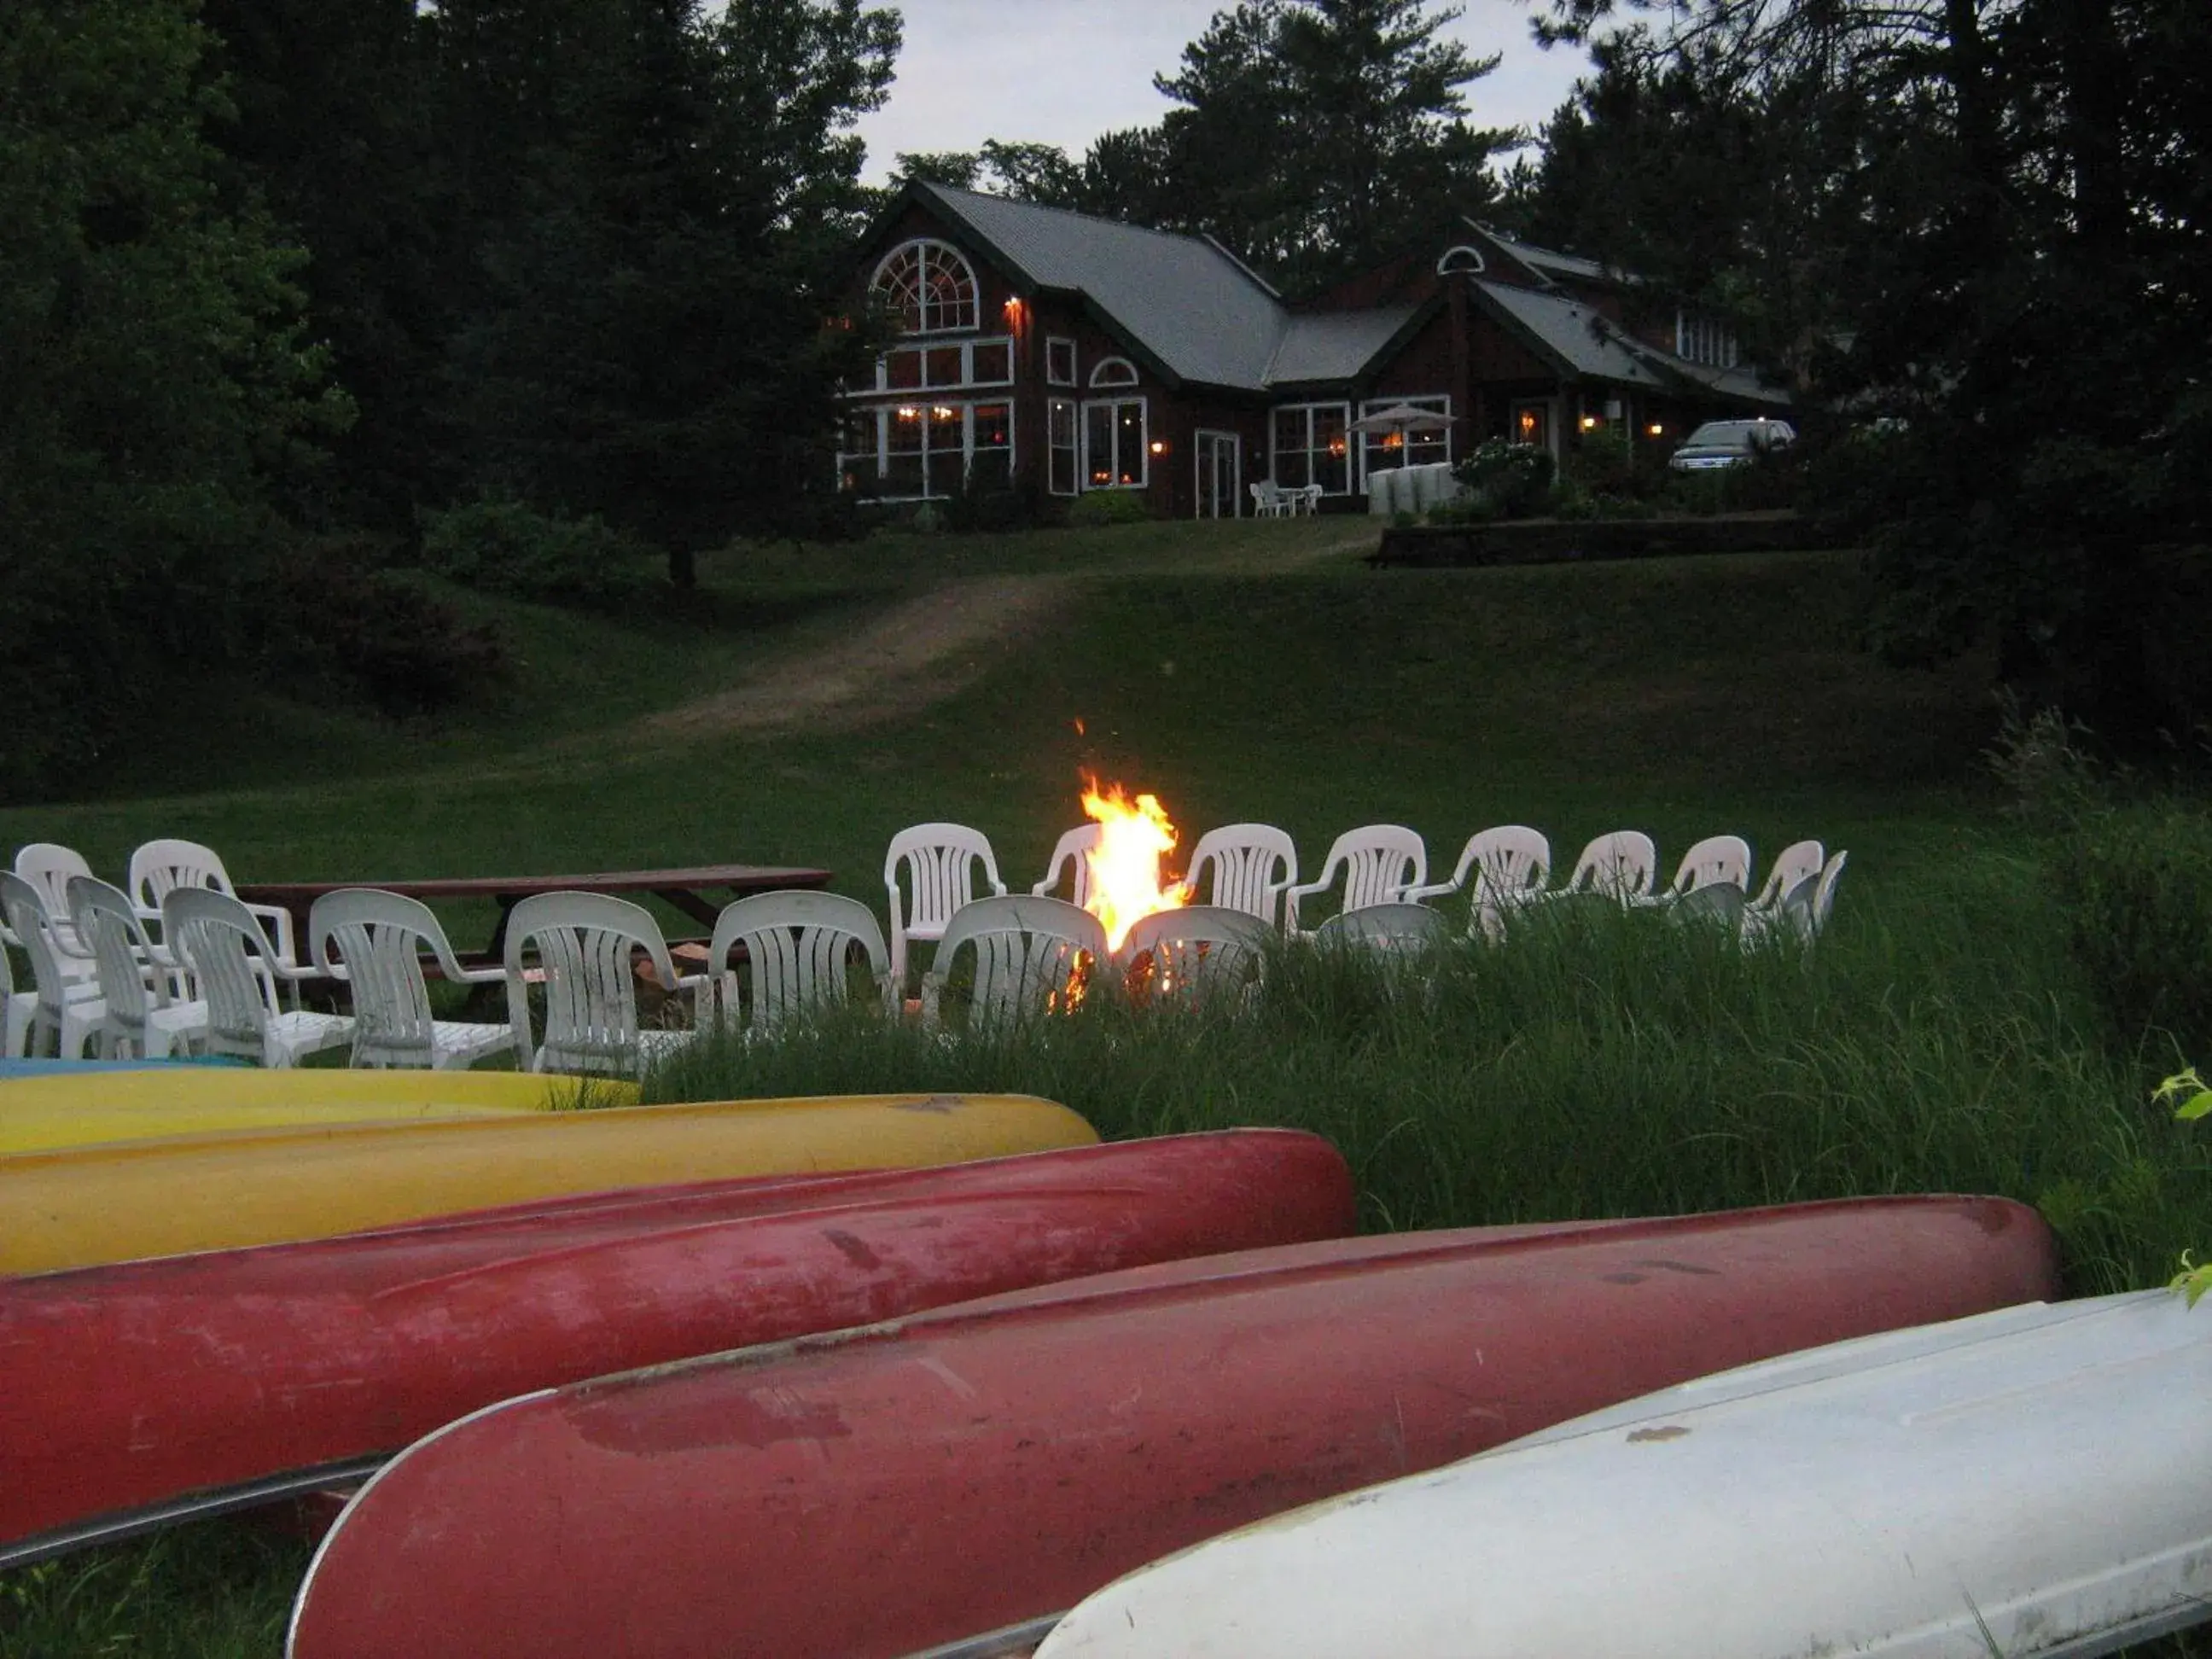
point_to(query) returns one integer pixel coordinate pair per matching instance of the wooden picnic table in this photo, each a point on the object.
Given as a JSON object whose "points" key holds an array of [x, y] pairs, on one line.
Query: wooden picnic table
{"points": [[687, 889]]}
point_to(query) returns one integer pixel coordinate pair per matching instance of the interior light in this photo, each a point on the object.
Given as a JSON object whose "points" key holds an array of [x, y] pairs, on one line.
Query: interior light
{"points": [[909, 413], [1657, 430], [1590, 423], [1159, 447]]}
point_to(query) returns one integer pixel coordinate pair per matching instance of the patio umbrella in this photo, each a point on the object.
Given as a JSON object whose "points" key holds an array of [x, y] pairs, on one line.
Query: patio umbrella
{"points": [[1402, 418]]}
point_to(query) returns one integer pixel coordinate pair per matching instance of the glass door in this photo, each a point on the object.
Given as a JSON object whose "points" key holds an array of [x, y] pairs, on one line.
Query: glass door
{"points": [[1220, 475]]}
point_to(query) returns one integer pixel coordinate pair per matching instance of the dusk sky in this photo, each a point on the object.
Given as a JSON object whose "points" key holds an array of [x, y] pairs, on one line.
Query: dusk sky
{"points": [[1063, 71]]}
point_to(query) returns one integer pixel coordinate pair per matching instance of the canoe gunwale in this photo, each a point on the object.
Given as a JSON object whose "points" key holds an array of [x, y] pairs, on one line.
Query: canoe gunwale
{"points": [[120, 1525], [1007, 1642]]}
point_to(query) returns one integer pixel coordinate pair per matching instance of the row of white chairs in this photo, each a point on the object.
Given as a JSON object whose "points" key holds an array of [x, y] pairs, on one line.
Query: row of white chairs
{"points": [[931, 871]]}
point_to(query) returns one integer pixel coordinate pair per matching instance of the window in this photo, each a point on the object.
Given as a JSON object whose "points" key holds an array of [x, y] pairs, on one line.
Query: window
{"points": [[1113, 444], [926, 450], [1703, 340], [931, 286], [1114, 371], [1311, 447], [948, 367], [1059, 416], [1381, 451], [1058, 361]]}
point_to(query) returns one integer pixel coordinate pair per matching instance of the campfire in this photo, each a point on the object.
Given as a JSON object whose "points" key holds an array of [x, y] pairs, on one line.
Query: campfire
{"points": [[1124, 867]]}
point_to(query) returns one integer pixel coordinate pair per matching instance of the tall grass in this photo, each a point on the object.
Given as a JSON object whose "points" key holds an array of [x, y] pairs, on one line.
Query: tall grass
{"points": [[1607, 1063]]}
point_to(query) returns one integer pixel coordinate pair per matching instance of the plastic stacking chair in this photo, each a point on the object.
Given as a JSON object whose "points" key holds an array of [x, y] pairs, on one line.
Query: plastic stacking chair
{"points": [[801, 946], [1376, 862], [138, 1016], [1718, 904], [1508, 865], [17, 1010], [378, 938], [1244, 866], [1798, 862], [1716, 859], [1196, 950], [1068, 856], [1397, 928], [1030, 956], [48, 866], [221, 942], [65, 1012], [159, 867], [1621, 865], [938, 864], [585, 944], [1824, 896]]}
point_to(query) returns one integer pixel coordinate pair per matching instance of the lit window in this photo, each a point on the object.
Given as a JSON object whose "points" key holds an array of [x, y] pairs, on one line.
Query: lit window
{"points": [[932, 287], [1114, 444], [1311, 447], [927, 451], [1058, 361], [1114, 371], [1420, 446], [1066, 462]]}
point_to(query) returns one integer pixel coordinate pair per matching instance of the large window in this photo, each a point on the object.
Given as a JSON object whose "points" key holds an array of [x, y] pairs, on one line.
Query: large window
{"points": [[1381, 451], [1113, 444], [1067, 462], [931, 285], [1058, 360], [1311, 447], [1703, 340], [924, 451], [947, 367]]}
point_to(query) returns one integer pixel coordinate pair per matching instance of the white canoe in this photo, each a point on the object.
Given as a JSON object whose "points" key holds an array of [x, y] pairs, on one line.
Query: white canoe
{"points": [[2034, 1481]]}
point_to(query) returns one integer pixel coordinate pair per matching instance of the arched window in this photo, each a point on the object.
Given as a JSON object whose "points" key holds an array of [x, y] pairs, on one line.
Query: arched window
{"points": [[932, 287], [1114, 371], [1459, 259]]}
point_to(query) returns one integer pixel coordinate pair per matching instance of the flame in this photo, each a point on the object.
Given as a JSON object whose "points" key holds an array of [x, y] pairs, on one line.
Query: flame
{"points": [[1125, 866]]}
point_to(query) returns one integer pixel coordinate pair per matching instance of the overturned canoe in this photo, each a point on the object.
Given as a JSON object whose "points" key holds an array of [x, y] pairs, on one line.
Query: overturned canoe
{"points": [[82, 1206], [84, 1108], [154, 1391], [2030, 1482], [872, 1493]]}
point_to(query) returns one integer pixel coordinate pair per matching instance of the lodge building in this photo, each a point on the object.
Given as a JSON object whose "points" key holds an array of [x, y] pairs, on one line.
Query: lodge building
{"points": [[1068, 353]]}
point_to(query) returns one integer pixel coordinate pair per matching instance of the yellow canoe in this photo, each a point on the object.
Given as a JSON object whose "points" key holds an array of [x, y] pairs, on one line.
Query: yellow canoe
{"points": [[82, 1207], [63, 1109]]}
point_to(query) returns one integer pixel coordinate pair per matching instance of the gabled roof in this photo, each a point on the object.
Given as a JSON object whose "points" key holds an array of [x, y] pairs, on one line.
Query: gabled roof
{"points": [[1193, 308], [1578, 339], [1582, 343]]}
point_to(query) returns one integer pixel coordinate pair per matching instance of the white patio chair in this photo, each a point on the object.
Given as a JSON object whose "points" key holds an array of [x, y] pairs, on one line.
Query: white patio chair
{"points": [[801, 946], [1029, 953], [1068, 855], [64, 1011], [585, 944], [940, 863], [234, 967], [159, 867], [1397, 928], [138, 1016], [1796, 864], [1718, 904], [17, 1008], [1716, 859], [379, 938], [1244, 866], [48, 866], [1823, 895], [1268, 499], [1377, 861], [1621, 865], [1307, 499], [1508, 865], [1198, 950]]}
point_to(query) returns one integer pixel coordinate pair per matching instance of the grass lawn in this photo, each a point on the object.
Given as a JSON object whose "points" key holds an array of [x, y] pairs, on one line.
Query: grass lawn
{"points": [[1940, 1037]]}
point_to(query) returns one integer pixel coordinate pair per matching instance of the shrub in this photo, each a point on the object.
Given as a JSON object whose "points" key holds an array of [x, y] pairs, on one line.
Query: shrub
{"points": [[507, 547], [1096, 509], [1515, 477], [2136, 883], [1602, 463], [991, 505], [334, 620]]}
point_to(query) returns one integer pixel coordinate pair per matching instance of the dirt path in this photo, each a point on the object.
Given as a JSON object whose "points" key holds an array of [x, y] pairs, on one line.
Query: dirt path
{"points": [[922, 650]]}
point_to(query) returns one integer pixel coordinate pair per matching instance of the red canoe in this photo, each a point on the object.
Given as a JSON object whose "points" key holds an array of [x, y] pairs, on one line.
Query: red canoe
{"points": [[876, 1493], [139, 1394]]}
